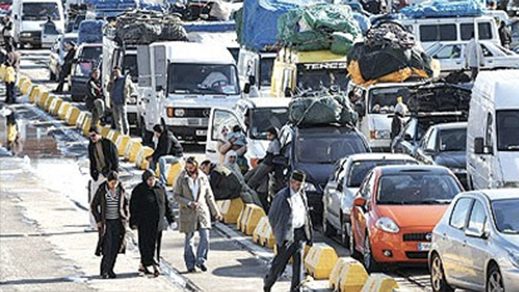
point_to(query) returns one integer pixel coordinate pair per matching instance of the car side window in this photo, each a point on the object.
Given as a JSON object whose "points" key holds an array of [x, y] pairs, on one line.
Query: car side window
{"points": [[431, 141], [460, 212], [364, 187], [478, 217]]}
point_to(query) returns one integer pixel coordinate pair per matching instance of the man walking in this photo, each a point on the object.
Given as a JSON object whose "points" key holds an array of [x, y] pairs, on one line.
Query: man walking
{"points": [[121, 90], [504, 35], [474, 57], [12, 62], [289, 218], [8, 30], [66, 68], [167, 151], [193, 193], [94, 97]]}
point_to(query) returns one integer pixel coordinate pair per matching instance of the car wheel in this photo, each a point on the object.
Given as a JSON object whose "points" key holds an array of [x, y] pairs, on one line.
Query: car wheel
{"points": [[495, 280], [328, 229], [369, 262], [353, 248], [345, 232], [438, 282]]}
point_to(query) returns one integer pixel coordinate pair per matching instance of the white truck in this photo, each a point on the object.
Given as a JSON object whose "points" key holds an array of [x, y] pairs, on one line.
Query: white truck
{"points": [[179, 84]]}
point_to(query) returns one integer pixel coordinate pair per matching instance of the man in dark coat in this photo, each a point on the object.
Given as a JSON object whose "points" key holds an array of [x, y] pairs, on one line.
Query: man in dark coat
{"points": [[66, 68], [94, 96], [289, 218], [149, 209], [167, 151], [504, 35]]}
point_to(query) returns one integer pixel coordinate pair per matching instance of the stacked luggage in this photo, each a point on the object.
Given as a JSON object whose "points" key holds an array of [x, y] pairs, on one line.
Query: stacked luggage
{"points": [[444, 8], [323, 109]]}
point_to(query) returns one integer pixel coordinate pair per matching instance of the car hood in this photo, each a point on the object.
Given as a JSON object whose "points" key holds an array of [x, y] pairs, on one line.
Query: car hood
{"points": [[512, 241], [452, 159], [413, 215]]}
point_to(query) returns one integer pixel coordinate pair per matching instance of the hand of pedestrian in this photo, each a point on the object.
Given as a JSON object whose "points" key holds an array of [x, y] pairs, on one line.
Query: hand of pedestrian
{"points": [[134, 227], [218, 217], [100, 226], [173, 226], [193, 205]]}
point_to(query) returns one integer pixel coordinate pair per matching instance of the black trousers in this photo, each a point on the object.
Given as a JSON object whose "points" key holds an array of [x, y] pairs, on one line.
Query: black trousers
{"points": [[112, 240], [61, 80], [149, 243], [10, 93], [284, 253]]}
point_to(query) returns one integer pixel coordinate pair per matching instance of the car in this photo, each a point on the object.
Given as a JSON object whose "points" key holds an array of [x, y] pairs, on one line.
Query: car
{"points": [[451, 56], [88, 57], [445, 144], [395, 212], [475, 246], [343, 185], [57, 54], [314, 150]]}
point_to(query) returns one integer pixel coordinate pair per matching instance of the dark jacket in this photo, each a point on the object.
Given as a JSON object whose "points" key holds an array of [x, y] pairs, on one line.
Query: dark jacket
{"points": [[280, 217], [224, 183], [504, 36], [93, 92], [167, 145], [137, 216], [66, 68], [396, 125], [111, 158], [98, 209]]}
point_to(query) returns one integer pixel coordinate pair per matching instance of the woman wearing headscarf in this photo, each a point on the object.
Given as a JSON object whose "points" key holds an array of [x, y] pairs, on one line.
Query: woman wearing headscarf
{"points": [[231, 162], [151, 212]]}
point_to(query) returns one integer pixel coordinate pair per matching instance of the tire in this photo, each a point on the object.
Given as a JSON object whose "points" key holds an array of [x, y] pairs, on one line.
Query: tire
{"points": [[494, 280], [438, 281], [345, 232], [370, 263], [328, 229]]}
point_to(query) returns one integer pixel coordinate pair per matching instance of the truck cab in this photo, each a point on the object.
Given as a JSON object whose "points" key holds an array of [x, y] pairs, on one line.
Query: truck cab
{"points": [[301, 71], [257, 66], [180, 82]]}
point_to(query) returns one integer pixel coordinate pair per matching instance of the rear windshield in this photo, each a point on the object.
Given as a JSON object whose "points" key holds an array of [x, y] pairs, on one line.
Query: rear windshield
{"points": [[264, 118], [91, 53], [359, 169]]}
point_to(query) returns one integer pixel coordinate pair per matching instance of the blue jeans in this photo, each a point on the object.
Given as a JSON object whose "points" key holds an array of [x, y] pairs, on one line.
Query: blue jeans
{"points": [[201, 253], [163, 161]]}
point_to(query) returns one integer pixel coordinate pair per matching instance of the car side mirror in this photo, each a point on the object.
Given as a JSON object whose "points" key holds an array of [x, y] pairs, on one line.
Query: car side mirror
{"points": [[428, 151], [480, 148], [246, 88], [471, 232], [359, 202]]}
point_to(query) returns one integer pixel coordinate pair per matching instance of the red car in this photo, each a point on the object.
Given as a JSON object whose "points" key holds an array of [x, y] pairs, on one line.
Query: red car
{"points": [[395, 211]]}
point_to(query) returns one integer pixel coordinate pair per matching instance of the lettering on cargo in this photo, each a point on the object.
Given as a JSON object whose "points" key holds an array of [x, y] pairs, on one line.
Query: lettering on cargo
{"points": [[320, 66]]}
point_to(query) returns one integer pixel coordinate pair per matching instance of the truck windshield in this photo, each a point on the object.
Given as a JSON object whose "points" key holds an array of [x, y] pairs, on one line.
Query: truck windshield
{"points": [[130, 66], [327, 145], [507, 122], [383, 100], [40, 11], [264, 118], [203, 79], [317, 79], [266, 65]]}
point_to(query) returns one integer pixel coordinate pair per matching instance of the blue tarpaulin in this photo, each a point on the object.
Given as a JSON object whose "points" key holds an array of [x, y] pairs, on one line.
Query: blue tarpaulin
{"points": [[90, 31], [444, 8], [210, 26]]}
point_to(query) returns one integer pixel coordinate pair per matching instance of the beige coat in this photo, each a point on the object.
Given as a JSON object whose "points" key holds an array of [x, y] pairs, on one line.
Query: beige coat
{"points": [[189, 218]]}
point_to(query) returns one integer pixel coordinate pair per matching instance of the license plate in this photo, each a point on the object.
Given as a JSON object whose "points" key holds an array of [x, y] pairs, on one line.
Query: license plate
{"points": [[201, 132], [424, 246]]}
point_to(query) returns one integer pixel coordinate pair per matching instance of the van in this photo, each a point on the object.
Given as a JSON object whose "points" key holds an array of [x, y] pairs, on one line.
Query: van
{"points": [[451, 29], [257, 66], [492, 140], [29, 17]]}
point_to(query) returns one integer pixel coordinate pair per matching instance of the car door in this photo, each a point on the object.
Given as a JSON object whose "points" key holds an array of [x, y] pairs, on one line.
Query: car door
{"points": [[335, 206], [450, 57], [330, 192], [359, 214], [218, 119], [406, 143], [427, 147], [489, 57]]}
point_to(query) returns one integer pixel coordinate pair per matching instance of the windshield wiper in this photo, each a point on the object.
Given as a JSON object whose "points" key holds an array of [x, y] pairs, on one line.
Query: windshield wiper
{"points": [[208, 90]]}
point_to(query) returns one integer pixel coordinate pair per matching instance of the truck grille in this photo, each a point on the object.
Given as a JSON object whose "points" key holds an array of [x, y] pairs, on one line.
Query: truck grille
{"points": [[197, 122], [417, 237], [196, 112]]}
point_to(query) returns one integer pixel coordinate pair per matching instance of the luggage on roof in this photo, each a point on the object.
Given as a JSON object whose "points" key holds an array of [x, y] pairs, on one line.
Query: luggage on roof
{"points": [[444, 8], [307, 111]]}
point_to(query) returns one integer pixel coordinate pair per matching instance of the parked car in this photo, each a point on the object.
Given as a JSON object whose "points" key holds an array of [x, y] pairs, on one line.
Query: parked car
{"points": [[314, 150], [396, 210], [476, 244], [88, 57], [452, 56], [344, 184], [58, 53]]}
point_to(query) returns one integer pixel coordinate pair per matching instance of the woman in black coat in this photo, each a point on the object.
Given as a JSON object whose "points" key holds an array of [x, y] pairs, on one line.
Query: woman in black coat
{"points": [[149, 209]]}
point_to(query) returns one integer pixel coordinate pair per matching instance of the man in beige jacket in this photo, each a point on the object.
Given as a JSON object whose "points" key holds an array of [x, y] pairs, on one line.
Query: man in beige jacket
{"points": [[196, 201]]}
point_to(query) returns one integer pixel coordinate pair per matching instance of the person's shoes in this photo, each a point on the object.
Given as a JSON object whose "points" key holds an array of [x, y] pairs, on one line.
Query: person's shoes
{"points": [[203, 267], [191, 270], [105, 276], [112, 275], [266, 289]]}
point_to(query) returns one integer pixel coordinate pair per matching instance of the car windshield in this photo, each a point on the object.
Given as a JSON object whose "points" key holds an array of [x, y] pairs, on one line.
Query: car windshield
{"points": [[507, 124], [383, 100], [84, 68], [203, 79], [326, 146], [453, 140], [40, 11], [266, 65], [503, 209], [91, 53], [416, 188], [317, 79], [359, 169], [264, 118], [130, 66]]}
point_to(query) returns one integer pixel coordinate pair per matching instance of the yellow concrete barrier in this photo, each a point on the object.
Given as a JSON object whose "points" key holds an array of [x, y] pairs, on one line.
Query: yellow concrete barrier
{"points": [[35, 93], [380, 283], [43, 99], [21, 81], [249, 218], [26, 87], [172, 173], [86, 126], [132, 150], [348, 275], [121, 143], [72, 116], [263, 233], [50, 104], [320, 261], [105, 130], [305, 252], [63, 110], [2, 72], [113, 135], [81, 119], [141, 161], [231, 210], [55, 110]]}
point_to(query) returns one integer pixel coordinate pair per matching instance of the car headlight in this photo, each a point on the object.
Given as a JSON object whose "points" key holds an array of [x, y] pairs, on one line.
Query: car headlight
{"points": [[180, 112], [132, 100], [25, 34], [380, 134], [387, 225], [514, 258], [309, 187]]}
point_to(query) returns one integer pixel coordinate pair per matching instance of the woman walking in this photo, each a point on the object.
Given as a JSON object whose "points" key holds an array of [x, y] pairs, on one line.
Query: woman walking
{"points": [[110, 210], [151, 213]]}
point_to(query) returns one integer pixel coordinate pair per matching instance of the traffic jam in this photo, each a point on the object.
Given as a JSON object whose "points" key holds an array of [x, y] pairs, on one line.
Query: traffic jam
{"points": [[398, 119]]}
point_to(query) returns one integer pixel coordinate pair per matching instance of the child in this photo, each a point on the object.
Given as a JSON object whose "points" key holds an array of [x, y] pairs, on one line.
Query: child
{"points": [[236, 137]]}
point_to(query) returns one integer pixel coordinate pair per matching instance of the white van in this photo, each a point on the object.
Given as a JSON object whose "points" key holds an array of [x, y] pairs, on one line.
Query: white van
{"points": [[492, 139], [29, 17], [256, 65], [451, 29]]}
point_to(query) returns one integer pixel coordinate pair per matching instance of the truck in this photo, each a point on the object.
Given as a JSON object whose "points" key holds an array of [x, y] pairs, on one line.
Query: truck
{"points": [[256, 66], [180, 82]]}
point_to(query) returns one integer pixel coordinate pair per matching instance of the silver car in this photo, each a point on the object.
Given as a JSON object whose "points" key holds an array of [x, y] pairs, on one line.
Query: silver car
{"points": [[343, 186], [476, 244]]}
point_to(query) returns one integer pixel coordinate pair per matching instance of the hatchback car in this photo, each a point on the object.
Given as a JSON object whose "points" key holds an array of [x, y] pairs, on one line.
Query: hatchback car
{"points": [[344, 184], [396, 210]]}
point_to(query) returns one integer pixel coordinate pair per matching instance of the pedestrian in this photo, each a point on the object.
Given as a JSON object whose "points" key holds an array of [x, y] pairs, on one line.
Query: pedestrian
{"points": [[474, 57], [504, 35], [13, 135], [103, 156], [167, 151], [121, 91], [397, 124], [150, 214], [110, 210], [12, 62], [225, 144], [8, 30], [49, 26], [289, 218], [94, 97], [66, 68], [193, 193], [224, 182]]}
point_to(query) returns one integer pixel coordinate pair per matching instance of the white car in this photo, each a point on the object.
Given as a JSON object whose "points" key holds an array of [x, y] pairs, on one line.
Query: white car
{"points": [[57, 54], [451, 56]]}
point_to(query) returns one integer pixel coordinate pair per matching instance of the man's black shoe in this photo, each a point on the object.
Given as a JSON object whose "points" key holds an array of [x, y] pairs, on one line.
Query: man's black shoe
{"points": [[203, 267], [105, 276], [192, 270]]}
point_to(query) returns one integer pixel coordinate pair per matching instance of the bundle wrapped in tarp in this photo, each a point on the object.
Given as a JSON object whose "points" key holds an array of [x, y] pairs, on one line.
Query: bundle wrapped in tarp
{"points": [[319, 27], [258, 26], [306, 111], [388, 54], [444, 8], [145, 27], [91, 31]]}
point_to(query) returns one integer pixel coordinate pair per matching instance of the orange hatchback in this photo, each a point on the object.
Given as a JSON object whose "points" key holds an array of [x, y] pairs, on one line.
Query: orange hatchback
{"points": [[395, 211]]}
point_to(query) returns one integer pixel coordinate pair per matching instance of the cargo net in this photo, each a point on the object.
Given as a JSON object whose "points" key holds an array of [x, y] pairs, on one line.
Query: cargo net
{"points": [[439, 97], [141, 27]]}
